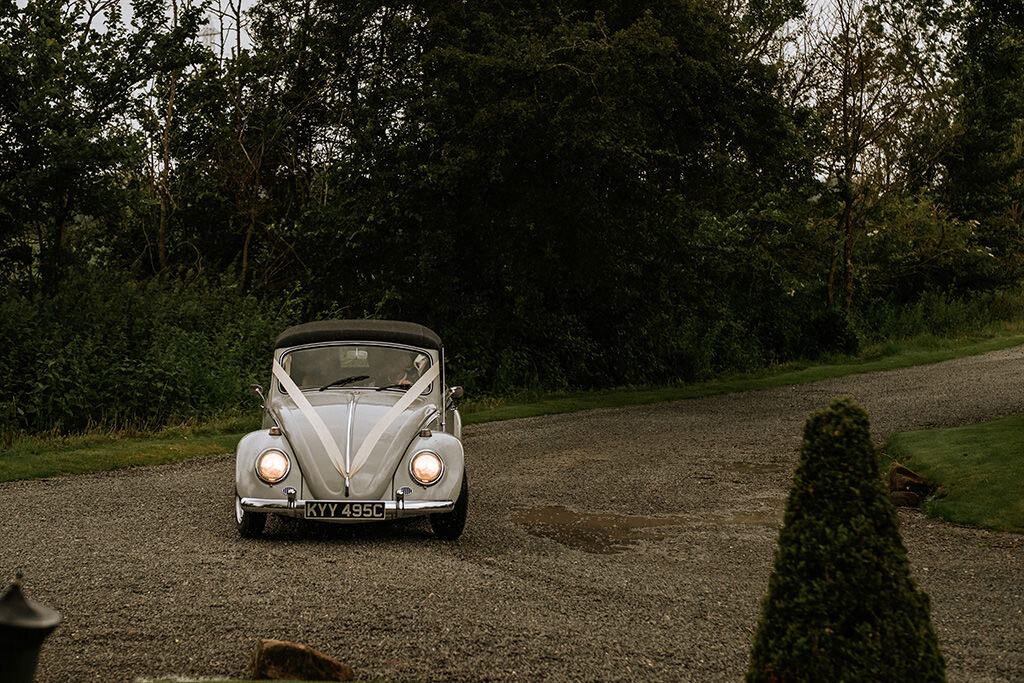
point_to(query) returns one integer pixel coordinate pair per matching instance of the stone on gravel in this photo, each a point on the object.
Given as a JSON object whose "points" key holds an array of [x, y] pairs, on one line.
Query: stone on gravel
{"points": [[904, 479], [282, 660]]}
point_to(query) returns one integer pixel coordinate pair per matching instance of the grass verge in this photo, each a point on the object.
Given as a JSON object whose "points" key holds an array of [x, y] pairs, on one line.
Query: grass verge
{"points": [[34, 458], [979, 471], [890, 356]]}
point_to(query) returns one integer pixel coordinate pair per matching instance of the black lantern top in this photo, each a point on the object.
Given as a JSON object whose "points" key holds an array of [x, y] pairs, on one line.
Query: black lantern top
{"points": [[19, 612]]}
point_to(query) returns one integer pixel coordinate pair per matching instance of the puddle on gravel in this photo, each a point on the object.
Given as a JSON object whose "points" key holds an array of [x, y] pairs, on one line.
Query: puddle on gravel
{"points": [[608, 534]]}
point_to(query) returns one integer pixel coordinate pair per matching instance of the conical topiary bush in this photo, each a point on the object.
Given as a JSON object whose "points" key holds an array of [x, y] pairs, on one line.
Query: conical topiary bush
{"points": [[841, 605]]}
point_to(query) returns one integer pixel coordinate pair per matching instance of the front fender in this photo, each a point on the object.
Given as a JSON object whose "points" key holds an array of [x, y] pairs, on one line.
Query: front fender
{"points": [[247, 483], [452, 455]]}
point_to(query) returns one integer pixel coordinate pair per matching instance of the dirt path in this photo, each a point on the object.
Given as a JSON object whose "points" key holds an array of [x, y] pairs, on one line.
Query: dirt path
{"points": [[624, 544]]}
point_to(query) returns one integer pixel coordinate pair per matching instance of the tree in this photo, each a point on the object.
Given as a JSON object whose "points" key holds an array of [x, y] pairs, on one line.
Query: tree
{"points": [[542, 131], [68, 143], [985, 167], [841, 604], [867, 69], [169, 44]]}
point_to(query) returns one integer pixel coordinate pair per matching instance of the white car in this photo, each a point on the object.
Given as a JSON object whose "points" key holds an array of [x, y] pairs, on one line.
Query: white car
{"points": [[358, 426]]}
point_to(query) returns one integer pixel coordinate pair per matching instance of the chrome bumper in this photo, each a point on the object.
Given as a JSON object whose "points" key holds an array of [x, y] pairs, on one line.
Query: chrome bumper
{"points": [[392, 509]]}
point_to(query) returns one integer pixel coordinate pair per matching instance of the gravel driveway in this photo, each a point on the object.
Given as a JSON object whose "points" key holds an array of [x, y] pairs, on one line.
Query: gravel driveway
{"points": [[619, 544]]}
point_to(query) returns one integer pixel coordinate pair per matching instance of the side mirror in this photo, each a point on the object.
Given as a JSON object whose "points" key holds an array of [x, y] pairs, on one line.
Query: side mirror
{"points": [[456, 393], [257, 390]]}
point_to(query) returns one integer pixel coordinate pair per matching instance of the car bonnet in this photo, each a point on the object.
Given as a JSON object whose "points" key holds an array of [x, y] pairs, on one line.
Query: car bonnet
{"points": [[373, 479]]}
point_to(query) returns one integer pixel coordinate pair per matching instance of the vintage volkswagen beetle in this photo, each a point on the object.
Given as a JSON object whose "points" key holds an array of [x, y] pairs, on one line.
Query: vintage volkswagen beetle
{"points": [[358, 426]]}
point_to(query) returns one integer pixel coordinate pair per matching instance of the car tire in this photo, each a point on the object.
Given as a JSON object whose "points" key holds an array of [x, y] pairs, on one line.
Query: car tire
{"points": [[250, 524], [448, 526]]}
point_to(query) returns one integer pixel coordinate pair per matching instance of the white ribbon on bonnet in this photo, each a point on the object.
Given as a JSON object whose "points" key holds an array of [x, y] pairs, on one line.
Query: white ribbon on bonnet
{"points": [[330, 445]]}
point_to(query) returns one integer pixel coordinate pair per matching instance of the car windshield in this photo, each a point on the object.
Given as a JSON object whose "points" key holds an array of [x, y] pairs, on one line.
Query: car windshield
{"points": [[362, 366]]}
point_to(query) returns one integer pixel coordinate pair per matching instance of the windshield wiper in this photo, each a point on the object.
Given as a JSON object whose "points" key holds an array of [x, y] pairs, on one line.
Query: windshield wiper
{"points": [[343, 381], [395, 386]]}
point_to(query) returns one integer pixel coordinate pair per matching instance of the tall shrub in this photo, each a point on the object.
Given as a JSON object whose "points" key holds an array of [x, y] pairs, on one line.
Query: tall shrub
{"points": [[841, 605], [105, 351]]}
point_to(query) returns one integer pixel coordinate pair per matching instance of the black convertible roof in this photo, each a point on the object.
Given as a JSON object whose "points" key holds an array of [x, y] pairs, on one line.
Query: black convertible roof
{"points": [[394, 331]]}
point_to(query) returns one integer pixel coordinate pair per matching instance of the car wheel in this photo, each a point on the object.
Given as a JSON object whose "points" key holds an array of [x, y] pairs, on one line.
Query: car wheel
{"points": [[448, 526], [250, 524]]}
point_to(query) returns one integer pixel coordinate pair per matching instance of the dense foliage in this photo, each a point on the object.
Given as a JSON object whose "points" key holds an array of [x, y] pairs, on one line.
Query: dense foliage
{"points": [[573, 194], [985, 164], [841, 605], [109, 352]]}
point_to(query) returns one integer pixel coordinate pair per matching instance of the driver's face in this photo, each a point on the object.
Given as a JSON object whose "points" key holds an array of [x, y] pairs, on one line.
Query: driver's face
{"points": [[394, 369]]}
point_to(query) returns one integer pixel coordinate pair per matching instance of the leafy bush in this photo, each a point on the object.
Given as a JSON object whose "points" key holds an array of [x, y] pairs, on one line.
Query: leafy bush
{"points": [[107, 352], [841, 605], [940, 315]]}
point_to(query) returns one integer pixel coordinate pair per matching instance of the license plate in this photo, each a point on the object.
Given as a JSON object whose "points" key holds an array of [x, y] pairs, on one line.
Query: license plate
{"points": [[344, 509]]}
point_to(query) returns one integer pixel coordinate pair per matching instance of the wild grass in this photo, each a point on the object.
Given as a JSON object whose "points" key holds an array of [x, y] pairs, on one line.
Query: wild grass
{"points": [[41, 457], [888, 356], [979, 471]]}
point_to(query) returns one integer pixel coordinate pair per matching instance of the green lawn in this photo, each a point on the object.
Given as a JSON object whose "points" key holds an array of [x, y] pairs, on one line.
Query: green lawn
{"points": [[36, 458], [979, 470]]}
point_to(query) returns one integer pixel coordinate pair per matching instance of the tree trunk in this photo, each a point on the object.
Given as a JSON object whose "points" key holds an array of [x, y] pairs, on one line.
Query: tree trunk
{"points": [[53, 247], [846, 226], [832, 267], [245, 250]]}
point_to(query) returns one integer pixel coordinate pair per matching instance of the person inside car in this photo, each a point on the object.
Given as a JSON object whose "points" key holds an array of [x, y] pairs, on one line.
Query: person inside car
{"points": [[392, 370]]}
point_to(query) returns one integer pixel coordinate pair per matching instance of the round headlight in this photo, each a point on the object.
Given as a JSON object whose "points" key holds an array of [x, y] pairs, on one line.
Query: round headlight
{"points": [[427, 467], [272, 466]]}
